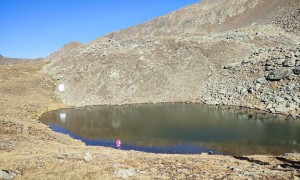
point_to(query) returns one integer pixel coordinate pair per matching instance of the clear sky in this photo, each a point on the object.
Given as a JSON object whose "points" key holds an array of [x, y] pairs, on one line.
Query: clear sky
{"points": [[36, 28]]}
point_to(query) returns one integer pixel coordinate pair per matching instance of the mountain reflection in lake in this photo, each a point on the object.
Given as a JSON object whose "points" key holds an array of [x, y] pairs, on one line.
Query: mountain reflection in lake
{"points": [[179, 128]]}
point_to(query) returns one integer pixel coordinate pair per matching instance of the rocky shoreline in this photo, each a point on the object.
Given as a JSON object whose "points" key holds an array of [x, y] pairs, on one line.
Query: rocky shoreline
{"points": [[272, 85]]}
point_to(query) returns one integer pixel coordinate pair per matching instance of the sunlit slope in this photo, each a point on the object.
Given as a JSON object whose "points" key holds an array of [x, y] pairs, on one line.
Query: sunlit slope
{"points": [[181, 57]]}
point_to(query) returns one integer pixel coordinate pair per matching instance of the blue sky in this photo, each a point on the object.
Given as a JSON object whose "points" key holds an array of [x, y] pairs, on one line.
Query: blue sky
{"points": [[36, 28]]}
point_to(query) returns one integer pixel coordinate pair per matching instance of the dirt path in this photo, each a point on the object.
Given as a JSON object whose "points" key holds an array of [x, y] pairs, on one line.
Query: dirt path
{"points": [[30, 150]]}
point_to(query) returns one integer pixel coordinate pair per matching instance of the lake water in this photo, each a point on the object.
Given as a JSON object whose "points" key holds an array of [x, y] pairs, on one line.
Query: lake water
{"points": [[179, 128]]}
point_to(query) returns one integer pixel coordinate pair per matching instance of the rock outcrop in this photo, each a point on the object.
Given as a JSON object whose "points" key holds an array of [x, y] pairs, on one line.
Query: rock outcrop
{"points": [[242, 53]]}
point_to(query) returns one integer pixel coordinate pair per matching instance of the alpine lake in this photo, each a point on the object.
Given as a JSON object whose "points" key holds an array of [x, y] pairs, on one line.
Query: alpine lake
{"points": [[179, 128]]}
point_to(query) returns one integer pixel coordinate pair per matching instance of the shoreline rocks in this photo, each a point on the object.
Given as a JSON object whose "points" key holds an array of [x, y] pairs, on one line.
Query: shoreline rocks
{"points": [[277, 91]]}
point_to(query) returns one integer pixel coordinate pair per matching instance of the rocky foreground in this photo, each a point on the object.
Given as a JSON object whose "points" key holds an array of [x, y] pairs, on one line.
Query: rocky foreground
{"points": [[30, 150]]}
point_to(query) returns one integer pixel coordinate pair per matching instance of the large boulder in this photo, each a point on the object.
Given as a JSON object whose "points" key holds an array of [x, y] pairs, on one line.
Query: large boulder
{"points": [[278, 74]]}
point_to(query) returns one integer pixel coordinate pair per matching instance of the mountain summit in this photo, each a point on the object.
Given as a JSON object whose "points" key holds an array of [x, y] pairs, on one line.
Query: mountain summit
{"points": [[233, 52]]}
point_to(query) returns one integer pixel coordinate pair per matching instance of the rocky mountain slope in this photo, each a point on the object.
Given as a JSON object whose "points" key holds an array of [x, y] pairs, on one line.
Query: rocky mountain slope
{"points": [[6, 60], [208, 16], [231, 52]]}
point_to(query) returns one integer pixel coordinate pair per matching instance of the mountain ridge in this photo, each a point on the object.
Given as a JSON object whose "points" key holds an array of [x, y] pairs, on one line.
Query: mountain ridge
{"points": [[7, 61]]}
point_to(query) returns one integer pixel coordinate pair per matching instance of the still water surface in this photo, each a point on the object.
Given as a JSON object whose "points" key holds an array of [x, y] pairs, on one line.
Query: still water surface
{"points": [[179, 128]]}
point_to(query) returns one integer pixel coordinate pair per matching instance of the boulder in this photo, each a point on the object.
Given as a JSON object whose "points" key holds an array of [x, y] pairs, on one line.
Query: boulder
{"points": [[87, 157], [296, 70], [279, 61], [293, 107], [270, 68], [248, 61], [4, 174], [272, 110], [269, 62], [296, 99], [251, 91], [289, 62], [281, 109], [279, 99], [257, 86], [269, 106], [277, 75], [233, 66], [261, 80], [212, 102], [241, 89], [126, 173]]}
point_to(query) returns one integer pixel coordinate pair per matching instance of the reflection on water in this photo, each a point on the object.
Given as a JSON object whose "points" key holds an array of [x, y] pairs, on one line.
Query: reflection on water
{"points": [[179, 128], [62, 117]]}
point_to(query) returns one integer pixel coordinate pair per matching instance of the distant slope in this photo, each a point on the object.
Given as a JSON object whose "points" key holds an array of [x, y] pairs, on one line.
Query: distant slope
{"points": [[6, 60], [212, 16], [186, 56]]}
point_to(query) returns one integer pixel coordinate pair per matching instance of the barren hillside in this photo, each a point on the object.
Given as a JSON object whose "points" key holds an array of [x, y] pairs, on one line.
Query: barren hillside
{"points": [[232, 52], [6, 60], [216, 16]]}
